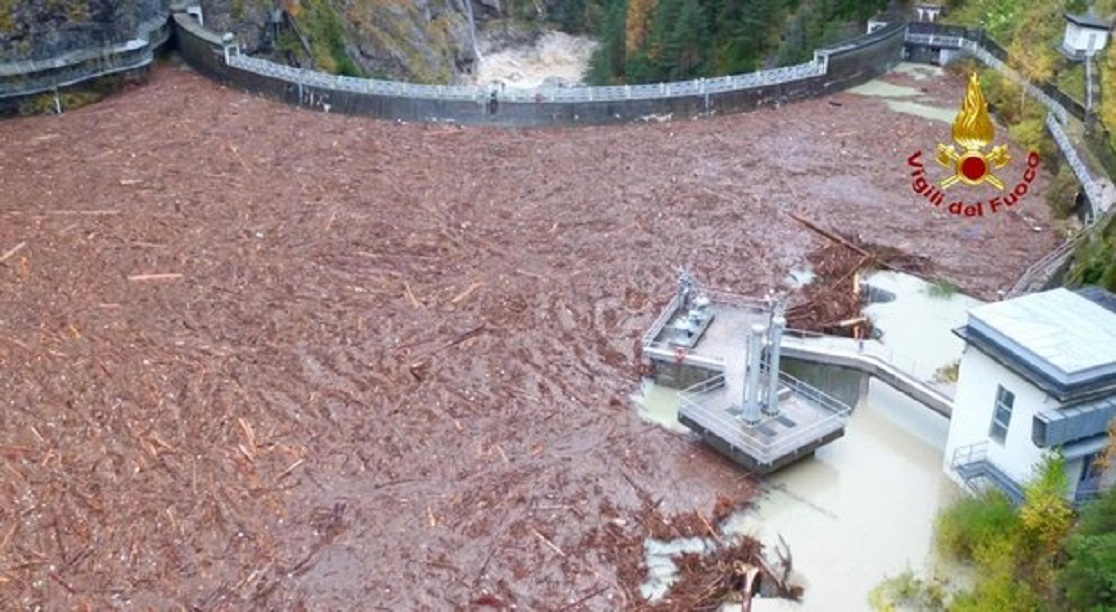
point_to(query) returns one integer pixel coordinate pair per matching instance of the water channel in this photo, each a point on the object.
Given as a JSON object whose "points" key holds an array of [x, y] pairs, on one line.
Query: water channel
{"points": [[863, 507]]}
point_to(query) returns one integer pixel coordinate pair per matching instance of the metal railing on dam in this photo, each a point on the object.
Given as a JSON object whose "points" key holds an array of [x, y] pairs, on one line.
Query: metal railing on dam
{"points": [[31, 77], [831, 69], [482, 93]]}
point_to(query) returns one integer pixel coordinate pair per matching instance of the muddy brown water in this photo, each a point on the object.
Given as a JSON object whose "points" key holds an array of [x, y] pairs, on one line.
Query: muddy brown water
{"points": [[257, 356]]}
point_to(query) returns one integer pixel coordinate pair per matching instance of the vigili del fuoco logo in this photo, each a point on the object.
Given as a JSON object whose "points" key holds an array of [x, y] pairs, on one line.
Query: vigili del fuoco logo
{"points": [[969, 164]]}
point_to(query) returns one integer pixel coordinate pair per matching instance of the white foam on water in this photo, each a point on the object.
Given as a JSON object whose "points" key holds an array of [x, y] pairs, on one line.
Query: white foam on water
{"points": [[555, 55]]}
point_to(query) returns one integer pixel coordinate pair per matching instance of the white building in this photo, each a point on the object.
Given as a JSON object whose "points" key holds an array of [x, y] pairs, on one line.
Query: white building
{"points": [[927, 11], [1038, 372], [1085, 35]]}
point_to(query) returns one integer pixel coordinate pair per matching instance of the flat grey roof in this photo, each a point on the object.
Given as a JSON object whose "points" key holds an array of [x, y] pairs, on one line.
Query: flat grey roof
{"points": [[1088, 20], [1063, 334], [1098, 296]]}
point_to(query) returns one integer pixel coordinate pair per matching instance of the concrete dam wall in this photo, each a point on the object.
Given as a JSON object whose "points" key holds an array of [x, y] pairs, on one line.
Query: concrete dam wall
{"points": [[832, 69]]}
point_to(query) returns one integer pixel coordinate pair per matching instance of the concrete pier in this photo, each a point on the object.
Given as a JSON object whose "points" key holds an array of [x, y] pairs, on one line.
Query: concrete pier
{"points": [[738, 400]]}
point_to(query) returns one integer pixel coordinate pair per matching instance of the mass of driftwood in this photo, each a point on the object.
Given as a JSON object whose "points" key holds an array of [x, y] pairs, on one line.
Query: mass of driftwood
{"points": [[738, 570], [832, 302], [249, 352]]}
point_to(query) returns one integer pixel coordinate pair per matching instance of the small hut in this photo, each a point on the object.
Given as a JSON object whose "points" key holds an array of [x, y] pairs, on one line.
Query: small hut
{"points": [[1086, 34]]}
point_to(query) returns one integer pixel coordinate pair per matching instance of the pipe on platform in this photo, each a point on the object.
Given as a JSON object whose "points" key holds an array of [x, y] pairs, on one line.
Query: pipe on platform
{"points": [[778, 324], [751, 412]]}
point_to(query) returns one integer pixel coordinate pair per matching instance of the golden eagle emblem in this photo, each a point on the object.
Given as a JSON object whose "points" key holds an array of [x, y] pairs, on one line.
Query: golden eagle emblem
{"points": [[973, 130]]}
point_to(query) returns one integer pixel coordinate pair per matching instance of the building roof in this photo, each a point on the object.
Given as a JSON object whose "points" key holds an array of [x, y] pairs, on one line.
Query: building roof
{"points": [[1068, 337], [1098, 296], [1088, 20]]}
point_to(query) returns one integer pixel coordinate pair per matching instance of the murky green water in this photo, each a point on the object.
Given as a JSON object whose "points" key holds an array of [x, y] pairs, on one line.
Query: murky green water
{"points": [[920, 72], [659, 405], [902, 99], [884, 89]]}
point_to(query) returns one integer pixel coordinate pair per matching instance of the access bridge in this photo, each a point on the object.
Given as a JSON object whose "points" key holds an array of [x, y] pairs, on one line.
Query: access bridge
{"points": [[863, 357]]}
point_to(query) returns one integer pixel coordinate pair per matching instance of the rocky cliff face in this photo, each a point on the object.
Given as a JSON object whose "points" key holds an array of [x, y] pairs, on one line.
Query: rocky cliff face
{"points": [[41, 29], [429, 41]]}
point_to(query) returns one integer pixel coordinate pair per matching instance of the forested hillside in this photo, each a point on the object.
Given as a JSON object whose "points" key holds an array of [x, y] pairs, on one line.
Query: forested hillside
{"points": [[1031, 31], [662, 40]]}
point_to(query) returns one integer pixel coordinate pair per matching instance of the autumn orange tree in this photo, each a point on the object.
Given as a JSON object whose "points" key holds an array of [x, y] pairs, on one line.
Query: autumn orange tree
{"points": [[1039, 21], [638, 24]]}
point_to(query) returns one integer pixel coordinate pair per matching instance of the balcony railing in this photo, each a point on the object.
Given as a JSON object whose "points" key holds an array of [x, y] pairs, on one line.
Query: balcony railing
{"points": [[762, 450], [972, 464]]}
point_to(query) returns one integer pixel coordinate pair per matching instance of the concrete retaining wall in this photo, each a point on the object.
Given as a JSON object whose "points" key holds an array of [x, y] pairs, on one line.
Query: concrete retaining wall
{"points": [[846, 384], [201, 48], [20, 81], [680, 375]]}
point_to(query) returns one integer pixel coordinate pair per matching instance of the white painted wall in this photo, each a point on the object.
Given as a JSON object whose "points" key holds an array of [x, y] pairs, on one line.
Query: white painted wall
{"points": [[1073, 472], [928, 13], [973, 407], [1077, 38]]}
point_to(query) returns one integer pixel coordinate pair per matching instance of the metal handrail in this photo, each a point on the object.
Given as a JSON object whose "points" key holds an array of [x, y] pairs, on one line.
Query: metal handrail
{"points": [[661, 321], [535, 94], [976, 50], [27, 77], [824, 399], [772, 450], [1084, 495], [1092, 189], [935, 40], [704, 386], [725, 298], [971, 453]]}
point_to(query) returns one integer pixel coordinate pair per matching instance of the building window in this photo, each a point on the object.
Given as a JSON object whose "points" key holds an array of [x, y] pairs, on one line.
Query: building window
{"points": [[1001, 416]]}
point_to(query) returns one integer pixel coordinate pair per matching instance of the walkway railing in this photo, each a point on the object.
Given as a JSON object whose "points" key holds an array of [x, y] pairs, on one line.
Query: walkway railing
{"points": [[973, 48], [1089, 76], [716, 297], [844, 352], [972, 464], [25, 78], [767, 451], [972, 453], [817, 396], [934, 40], [1037, 274], [481, 93], [1084, 176], [661, 321]]}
